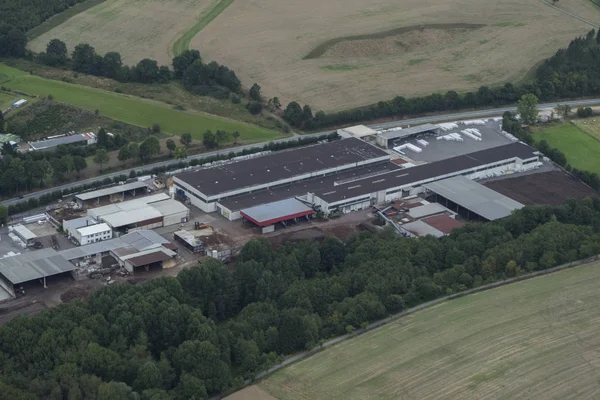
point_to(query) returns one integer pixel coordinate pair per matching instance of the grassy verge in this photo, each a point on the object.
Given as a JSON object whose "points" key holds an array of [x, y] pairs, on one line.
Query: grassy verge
{"points": [[171, 93], [58, 19], [129, 109], [580, 149], [183, 43], [494, 344]]}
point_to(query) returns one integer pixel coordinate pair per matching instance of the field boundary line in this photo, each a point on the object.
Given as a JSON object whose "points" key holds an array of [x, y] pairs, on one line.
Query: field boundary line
{"points": [[61, 18], [570, 14], [308, 353], [183, 43]]}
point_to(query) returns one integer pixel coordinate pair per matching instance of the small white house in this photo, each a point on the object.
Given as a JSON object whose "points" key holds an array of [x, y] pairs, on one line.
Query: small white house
{"points": [[19, 103], [92, 234]]}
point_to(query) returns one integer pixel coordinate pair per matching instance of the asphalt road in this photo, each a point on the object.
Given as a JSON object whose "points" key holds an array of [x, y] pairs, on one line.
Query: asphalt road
{"points": [[385, 125]]}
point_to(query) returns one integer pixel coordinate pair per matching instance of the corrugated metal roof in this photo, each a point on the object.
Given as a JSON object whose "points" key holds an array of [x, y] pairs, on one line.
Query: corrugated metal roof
{"points": [[169, 207], [124, 218], [127, 205], [276, 210], [23, 232], [475, 197], [420, 228], [427, 209], [75, 223], [145, 258], [47, 144], [111, 190], [34, 265]]}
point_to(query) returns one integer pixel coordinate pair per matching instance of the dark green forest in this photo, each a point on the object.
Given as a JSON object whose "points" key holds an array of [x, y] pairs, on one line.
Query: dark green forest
{"points": [[205, 331], [571, 73]]}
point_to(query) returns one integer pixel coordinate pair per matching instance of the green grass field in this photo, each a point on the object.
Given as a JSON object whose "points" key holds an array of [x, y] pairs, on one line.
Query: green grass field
{"points": [[7, 100], [582, 151], [535, 339], [129, 109]]}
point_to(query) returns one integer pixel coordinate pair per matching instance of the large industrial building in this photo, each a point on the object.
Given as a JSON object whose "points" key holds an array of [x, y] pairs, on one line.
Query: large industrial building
{"points": [[342, 176]]}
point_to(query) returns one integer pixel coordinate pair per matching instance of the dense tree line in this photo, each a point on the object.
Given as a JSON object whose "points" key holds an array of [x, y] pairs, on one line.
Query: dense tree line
{"points": [[19, 16], [27, 14], [571, 72], [204, 331]]}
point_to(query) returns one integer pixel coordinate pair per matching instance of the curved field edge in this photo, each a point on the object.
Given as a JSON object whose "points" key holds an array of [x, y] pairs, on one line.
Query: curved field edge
{"points": [[129, 109], [183, 43], [521, 339], [323, 47], [58, 19]]}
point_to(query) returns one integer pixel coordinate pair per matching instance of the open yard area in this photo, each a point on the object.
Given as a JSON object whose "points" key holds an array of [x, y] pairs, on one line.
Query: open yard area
{"points": [[580, 149], [129, 109], [536, 339], [351, 53], [135, 28]]}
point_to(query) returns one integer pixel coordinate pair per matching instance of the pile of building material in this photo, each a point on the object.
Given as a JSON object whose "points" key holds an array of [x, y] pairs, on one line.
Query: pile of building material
{"points": [[473, 122], [451, 137], [472, 133]]}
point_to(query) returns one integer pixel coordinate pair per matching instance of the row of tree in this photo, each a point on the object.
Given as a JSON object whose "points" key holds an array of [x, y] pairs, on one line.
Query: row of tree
{"points": [[571, 72], [203, 332], [198, 77]]}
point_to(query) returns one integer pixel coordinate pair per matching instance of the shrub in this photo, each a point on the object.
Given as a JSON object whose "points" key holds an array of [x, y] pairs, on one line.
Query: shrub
{"points": [[254, 107]]}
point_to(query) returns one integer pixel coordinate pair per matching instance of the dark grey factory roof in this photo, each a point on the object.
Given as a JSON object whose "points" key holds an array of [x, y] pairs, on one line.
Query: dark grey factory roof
{"points": [[236, 203], [280, 165], [475, 197], [426, 171], [46, 144], [34, 265]]}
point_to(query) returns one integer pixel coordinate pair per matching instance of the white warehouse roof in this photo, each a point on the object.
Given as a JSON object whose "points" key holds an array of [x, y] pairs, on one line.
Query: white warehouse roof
{"points": [[127, 205], [169, 207], [93, 229], [123, 218], [25, 233], [359, 131]]}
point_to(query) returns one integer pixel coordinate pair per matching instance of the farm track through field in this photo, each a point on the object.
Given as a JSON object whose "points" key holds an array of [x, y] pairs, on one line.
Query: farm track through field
{"points": [[570, 14], [183, 43], [323, 47]]}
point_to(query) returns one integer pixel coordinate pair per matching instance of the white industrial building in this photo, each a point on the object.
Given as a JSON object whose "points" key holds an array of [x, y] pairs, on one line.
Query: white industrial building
{"points": [[92, 234], [147, 212]]}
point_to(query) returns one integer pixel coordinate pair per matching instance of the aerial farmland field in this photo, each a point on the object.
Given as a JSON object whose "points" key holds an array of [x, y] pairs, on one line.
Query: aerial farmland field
{"points": [[535, 339], [346, 53], [341, 54], [135, 28]]}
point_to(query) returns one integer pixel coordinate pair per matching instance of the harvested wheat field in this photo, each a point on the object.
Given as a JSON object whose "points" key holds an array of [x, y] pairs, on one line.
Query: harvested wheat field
{"points": [[378, 49], [535, 339], [135, 28]]}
